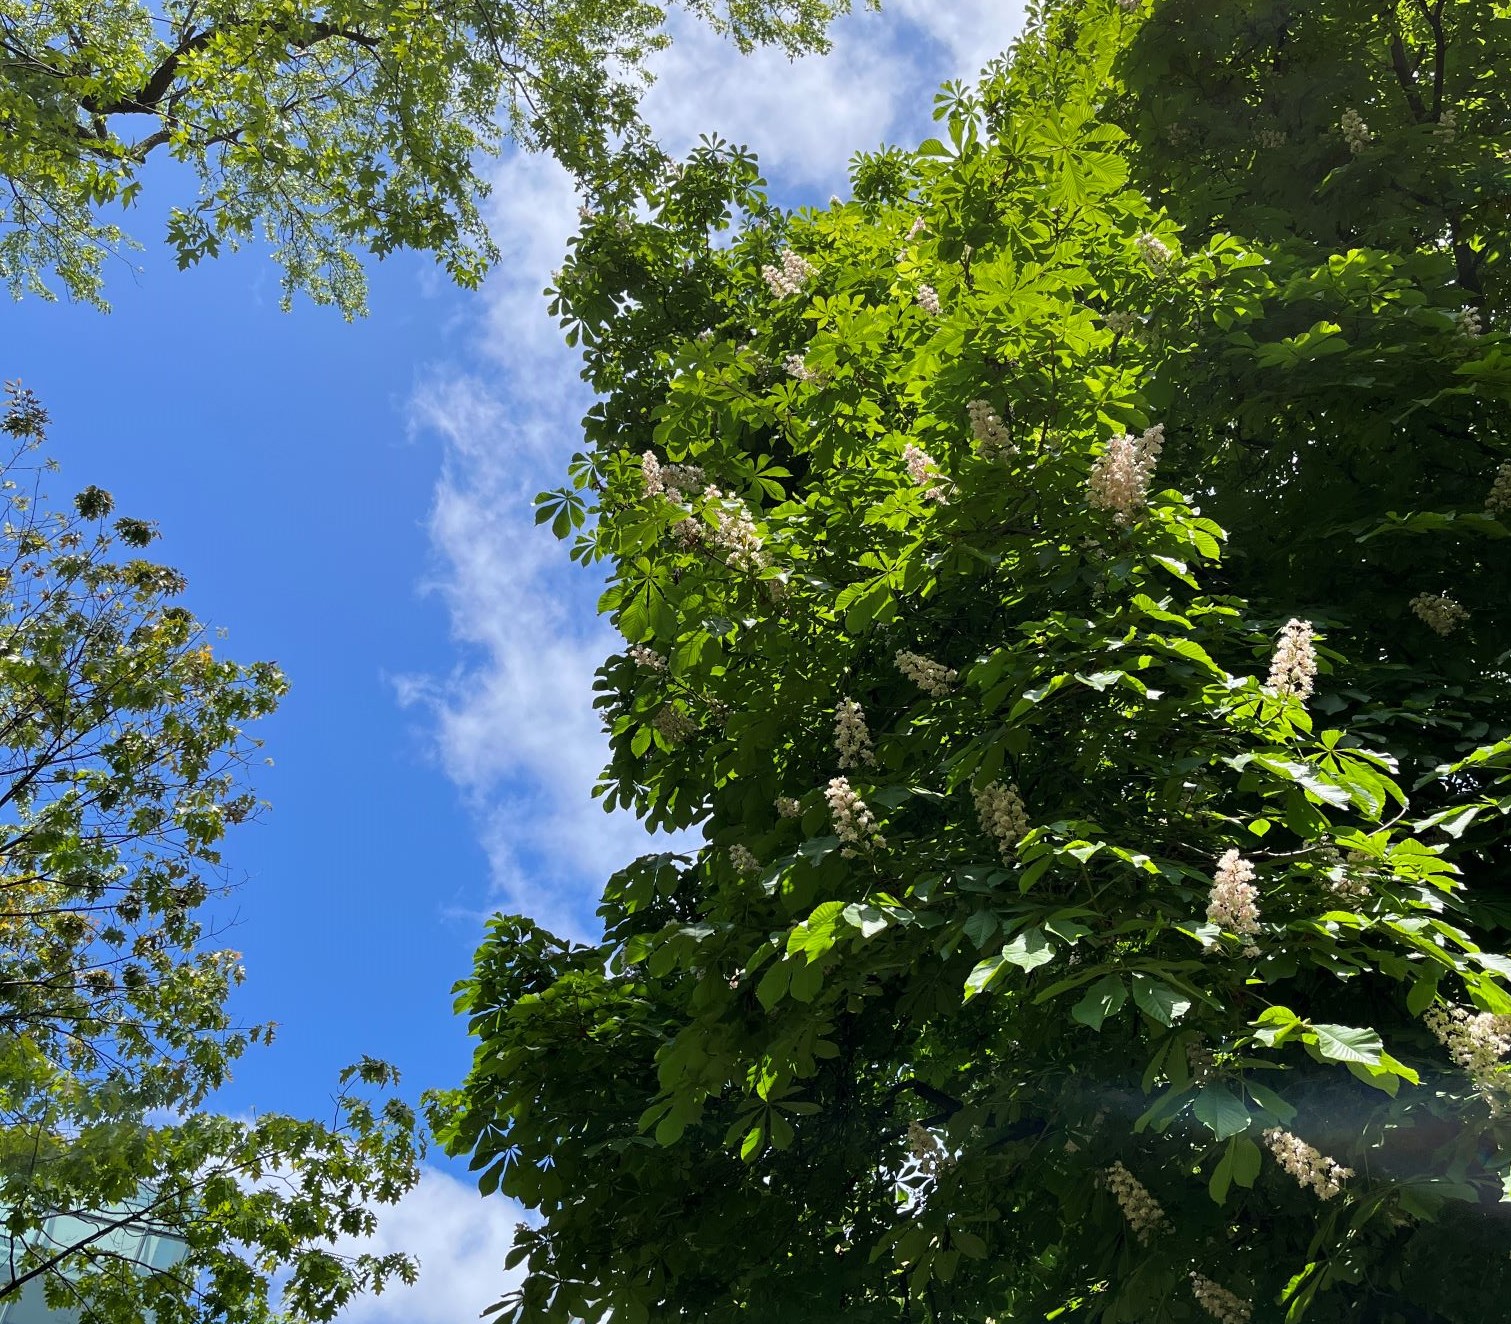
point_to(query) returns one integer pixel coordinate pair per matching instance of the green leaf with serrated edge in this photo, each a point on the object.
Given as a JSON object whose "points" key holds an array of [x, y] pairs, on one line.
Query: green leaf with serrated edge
{"points": [[1246, 1161], [1159, 1000], [983, 975], [773, 986], [1346, 1043], [1101, 1000], [868, 919], [980, 927], [1222, 1175], [1220, 1111], [1029, 949], [1271, 1102]]}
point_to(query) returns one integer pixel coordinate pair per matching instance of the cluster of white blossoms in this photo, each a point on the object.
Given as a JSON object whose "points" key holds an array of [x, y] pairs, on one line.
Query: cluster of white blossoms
{"points": [[787, 807], [1141, 1209], [1271, 138], [925, 474], [674, 726], [672, 481], [649, 658], [854, 823], [1447, 126], [1153, 250], [1217, 1301], [989, 431], [1355, 132], [1003, 815], [1120, 474], [744, 861], [1310, 1167], [1438, 612], [1294, 666], [736, 533], [797, 367], [1120, 323], [1470, 324], [928, 300], [1498, 502], [917, 228], [1477, 1042], [1233, 900], [851, 737], [926, 1150], [1353, 877], [1129, 6], [931, 677], [790, 277]]}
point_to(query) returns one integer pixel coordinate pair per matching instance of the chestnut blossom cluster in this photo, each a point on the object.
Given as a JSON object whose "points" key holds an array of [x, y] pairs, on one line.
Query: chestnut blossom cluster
{"points": [[1310, 1167], [673, 726], [1271, 138], [1217, 1301], [926, 1150], [1498, 501], [797, 367], [1438, 612], [917, 228], [1153, 250], [1294, 666], [744, 860], [1141, 1209], [787, 807], [1120, 475], [1120, 323], [854, 823], [1129, 6], [736, 532], [649, 658], [925, 473], [931, 677], [1447, 126], [1469, 322], [990, 433], [1003, 815], [669, 480], [1233, 901], [1355, 132], [1352, 878], [1476, 1042], [928, 299], [789, 278], [851, 737]]}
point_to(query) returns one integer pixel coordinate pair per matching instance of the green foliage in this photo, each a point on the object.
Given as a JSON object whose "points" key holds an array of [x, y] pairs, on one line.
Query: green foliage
{"points": [[328, 129], [876, 1059], [121, 733]]}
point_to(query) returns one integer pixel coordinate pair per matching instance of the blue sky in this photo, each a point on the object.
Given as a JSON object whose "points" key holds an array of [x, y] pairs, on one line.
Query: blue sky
{"points": [[353, 502]]}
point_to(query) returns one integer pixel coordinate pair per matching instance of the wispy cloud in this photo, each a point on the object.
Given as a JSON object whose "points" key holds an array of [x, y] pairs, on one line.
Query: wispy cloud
{"points": [[514, 725]]}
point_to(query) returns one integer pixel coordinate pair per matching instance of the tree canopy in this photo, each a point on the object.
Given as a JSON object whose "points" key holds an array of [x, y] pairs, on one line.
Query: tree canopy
{"points": [[330, 129], [122, 764], [1065, 582]]}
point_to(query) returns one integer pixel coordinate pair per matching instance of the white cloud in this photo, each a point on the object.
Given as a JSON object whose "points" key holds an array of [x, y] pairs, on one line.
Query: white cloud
{"points": [[513, 723], [969, 32], [460, 1239]]}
